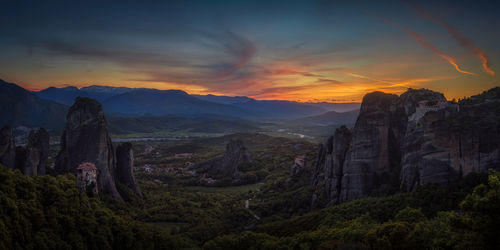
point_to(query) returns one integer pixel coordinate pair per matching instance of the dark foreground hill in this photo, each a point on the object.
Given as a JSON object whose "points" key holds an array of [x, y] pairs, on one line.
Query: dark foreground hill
{"points": [[19, 107]]}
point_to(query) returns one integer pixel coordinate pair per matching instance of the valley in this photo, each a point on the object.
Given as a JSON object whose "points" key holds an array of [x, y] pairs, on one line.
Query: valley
{"points": [[249, 125], [266, 184]]}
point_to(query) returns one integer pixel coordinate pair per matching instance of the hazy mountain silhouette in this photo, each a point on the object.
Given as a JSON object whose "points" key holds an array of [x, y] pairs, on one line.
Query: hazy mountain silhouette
{"points": [[170, 102], [268, 108], [132, 101], [20, 107], [331, 117]]}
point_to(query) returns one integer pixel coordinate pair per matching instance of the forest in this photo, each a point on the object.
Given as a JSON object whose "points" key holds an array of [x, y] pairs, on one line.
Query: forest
{"points": [[47, 212]]}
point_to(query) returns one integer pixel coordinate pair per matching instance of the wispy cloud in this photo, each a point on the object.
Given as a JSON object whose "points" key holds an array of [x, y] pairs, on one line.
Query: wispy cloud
{"points": [[461, 38], [241, 49], [423, 42]]}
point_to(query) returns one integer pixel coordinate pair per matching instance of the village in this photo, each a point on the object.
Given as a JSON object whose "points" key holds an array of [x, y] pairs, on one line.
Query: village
{"points": [[178, 165], [158, 164]]}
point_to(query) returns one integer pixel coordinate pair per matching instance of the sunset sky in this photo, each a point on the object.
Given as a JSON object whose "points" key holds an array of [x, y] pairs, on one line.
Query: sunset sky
{"points": [[333, 51]]}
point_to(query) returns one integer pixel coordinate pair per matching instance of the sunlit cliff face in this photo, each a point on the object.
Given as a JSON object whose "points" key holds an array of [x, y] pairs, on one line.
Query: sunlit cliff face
{"points": [[300, 51]]}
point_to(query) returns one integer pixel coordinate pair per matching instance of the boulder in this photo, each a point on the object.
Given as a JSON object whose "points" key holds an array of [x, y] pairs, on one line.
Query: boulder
{"points": [[7, 147]]}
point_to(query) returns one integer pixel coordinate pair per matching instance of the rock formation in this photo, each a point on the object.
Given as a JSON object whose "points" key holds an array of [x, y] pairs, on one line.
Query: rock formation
{"points": [[227, 165], [450, 142], [414, 139], [85, 139], [373, 158], [125, 166], [235, 154], [32, 160], [7, 147], [330, 167]]}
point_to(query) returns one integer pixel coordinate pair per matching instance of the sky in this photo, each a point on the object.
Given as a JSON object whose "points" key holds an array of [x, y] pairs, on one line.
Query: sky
{"points": [[308, 51]]}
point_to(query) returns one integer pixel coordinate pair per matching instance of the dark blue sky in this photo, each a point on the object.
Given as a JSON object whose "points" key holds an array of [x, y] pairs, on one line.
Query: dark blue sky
{"points": [[296, 50]]}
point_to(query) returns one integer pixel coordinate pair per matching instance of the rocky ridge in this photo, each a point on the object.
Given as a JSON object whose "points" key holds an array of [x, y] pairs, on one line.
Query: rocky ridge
{"points": [[409, 140]]}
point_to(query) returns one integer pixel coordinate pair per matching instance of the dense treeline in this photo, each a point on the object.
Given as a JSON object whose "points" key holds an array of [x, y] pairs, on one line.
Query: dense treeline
{"points": [[45, 212], [428, 218]]}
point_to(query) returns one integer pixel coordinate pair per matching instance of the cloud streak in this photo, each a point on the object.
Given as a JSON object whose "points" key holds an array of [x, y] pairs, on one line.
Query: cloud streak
{"points": [[461, 39], [424, 43], [240, 48]]}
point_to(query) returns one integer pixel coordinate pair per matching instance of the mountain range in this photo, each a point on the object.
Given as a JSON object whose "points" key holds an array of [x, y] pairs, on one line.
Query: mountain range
{"points": [[48, 108], [141, 101], [330, 118]]}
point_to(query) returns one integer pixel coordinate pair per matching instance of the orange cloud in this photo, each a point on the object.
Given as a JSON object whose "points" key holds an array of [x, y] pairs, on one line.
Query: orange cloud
{"points": [[424, 43], [462, 40]]}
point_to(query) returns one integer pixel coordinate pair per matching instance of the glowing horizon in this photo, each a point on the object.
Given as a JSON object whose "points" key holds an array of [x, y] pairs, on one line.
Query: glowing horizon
{"points": [[266, 50]]}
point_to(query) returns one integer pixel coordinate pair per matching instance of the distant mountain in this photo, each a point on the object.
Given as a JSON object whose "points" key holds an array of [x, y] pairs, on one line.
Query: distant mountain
{"points": [[102, 93], [224, 99], [267, 108], [170, 102], [176, 124], [330, 118], [339, 107], [67, 95], [148, 103], [20, 107], [64, 95]]}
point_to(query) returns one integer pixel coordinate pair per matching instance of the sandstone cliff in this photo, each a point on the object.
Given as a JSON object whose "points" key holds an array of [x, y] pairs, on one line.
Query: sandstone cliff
{"points": [[453, 141], [7, 147], [227, 164], [373, 158], [85, 139], [32, 160], [329, 169], [410, 140], [125, 166]]}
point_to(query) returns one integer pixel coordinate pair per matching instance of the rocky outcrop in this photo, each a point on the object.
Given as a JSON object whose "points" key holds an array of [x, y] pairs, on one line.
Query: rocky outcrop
{"points": [[410, 140], [125, 166], [329, 170], [235, 154], [373, 159], [33, 159], [453, 141], [85, 139], [7, 147], [227, 164]]}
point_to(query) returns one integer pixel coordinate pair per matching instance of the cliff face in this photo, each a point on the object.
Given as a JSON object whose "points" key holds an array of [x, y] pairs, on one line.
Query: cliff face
{"points": [[452, 142], [373, 158], [227, 164], [33, 158], [410, 140], [7, 147], [329, 170], [85, 139], [234, 155], [125, 166]]}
